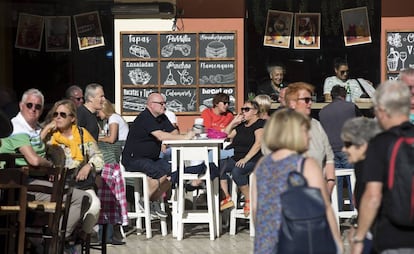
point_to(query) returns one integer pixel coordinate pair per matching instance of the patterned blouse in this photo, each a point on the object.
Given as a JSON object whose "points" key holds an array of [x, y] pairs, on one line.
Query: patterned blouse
{"points": [[271, 177]]}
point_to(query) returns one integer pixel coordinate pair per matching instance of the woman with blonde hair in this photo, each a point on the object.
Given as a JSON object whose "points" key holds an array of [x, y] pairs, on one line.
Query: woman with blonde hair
{"points": [[81, 153], [286, 134], [265, 102]]}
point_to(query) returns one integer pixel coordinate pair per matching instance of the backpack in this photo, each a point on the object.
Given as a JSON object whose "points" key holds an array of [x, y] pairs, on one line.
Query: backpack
{"points": [[399, 200], [304, 228]]}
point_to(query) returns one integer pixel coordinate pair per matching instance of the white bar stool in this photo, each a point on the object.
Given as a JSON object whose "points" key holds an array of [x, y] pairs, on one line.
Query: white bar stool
{"points": [[238, 213], [141, 186], [343, 214], [196, 216]]}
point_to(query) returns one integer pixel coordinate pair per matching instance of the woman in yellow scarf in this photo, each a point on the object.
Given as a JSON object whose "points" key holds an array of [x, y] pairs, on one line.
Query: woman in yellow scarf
{"points": [[81, 152]]}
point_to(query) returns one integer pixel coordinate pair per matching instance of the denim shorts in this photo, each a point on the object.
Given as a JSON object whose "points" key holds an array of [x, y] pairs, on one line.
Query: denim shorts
{"points": [[154, 169]]}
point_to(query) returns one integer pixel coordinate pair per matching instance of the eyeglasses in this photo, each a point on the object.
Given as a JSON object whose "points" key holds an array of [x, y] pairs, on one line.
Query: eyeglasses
{"points": [[348, 144], [343, 72], [306, 99], [246, 109], [61, 114], [162, 103], [78, 98], [226, 102], [36, 106]]}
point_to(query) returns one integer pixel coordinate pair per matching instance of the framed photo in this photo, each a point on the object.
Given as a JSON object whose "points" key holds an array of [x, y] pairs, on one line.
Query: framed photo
{"points": [[356, 26], [307, 31], [57, 33], [88, 30], [29, 32], [278, 29]]}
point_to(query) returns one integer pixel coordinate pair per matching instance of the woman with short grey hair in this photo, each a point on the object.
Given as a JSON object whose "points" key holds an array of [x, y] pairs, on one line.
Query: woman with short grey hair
{"points": [[356, 134]]}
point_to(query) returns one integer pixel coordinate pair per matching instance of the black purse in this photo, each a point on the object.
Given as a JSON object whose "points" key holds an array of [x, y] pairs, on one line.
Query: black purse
{"points": [[304, 228], [89, 182]]}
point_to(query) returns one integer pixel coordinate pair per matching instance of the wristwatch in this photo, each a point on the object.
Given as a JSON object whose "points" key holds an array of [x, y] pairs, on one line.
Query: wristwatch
{"points": [[92, 165]]}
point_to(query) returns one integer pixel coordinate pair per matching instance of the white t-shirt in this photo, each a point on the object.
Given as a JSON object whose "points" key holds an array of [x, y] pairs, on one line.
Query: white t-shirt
{"points": [[123, 127], [356, 90], [171, 116]]}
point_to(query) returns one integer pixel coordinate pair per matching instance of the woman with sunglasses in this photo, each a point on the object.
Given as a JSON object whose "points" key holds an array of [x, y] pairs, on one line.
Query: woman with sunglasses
{"points": [[299, 98], [218, 117], [356, 134], [246, 132], [81, 152]]}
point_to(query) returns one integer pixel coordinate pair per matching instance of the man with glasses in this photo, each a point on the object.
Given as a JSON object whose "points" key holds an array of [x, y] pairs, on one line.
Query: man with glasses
{"points": [[75, 94], [392, 108], [358, 87], [298, 97], [94, 100], [407, 76], [143, 146]]}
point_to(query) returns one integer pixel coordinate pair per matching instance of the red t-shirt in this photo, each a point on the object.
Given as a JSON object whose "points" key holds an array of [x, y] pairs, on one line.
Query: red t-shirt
{"points": [[217, 122]]}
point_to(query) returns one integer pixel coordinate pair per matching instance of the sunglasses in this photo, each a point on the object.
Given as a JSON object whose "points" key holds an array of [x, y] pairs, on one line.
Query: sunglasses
{"points": [[159, 102], [36, 106], [78, 98], [348, 144], [61, 114], [306, 99], [226, 102], [246, 109], [343, 72]]}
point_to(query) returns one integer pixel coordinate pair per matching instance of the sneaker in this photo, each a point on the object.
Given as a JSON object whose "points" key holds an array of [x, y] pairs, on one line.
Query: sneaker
{"points": [[226, 203], [156, 207]]}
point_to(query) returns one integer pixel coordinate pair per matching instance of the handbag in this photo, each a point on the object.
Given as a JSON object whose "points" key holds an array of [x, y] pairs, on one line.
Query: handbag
{"points": [[89, 182], [304, 228]]}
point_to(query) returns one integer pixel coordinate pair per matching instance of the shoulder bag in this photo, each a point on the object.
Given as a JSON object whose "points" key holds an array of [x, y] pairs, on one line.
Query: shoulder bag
{"points": [[304, 227]]}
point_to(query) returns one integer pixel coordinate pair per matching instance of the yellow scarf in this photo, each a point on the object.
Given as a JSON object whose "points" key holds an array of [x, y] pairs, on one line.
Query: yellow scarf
{"points": [[73, 144]]}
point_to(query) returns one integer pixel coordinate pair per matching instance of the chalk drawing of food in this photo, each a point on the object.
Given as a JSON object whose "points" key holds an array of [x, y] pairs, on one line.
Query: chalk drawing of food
{"points": [[170, 79], [168, 49], [175, 106], [185, 77], [216, 49], [139, 51], [139, 77]]}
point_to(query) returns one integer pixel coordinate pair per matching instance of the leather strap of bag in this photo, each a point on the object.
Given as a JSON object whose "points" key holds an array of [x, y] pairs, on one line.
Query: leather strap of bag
{"points": [[362, 87], [302, 165], [81, 136]]}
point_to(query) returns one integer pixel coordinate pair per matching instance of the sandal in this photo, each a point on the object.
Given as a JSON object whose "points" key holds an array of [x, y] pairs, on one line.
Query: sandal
{"points": [[246, 208]]}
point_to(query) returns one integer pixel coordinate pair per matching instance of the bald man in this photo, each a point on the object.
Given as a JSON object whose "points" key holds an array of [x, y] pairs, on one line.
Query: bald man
{"points": [[143, 146]]}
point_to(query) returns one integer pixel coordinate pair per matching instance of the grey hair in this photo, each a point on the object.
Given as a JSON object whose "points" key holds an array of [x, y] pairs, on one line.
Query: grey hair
{"points": [[90, 90], [394, 97], [406, 72], [360, 130], [69, 92], [270, 68], [34, 92]]}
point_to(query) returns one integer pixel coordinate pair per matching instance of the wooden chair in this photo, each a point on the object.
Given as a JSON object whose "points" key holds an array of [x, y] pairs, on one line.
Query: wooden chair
{"points": [[13, 184], [53, 214]]}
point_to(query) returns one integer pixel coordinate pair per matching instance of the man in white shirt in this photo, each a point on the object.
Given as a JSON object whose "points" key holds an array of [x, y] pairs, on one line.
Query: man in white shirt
{"points": [[358, 86]]}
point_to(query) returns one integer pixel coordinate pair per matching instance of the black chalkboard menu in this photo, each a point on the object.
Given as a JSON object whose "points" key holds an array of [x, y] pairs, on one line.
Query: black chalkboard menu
{"points": [[399, 52], [188, 68]]}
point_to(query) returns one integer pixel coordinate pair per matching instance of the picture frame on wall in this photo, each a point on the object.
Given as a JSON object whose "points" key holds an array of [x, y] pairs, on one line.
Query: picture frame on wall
{"points": [[278, 29], [29, 32], [307, 31], [355, 26], [57, 34], [88, 30]]}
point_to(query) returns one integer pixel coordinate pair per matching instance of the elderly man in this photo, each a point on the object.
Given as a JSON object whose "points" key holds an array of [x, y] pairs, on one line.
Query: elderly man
{"points": [[407, 76], [26, 139], [299, 97], [143, 146], [273, 87], [392, 109], [75, 94], [94, 99]]}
